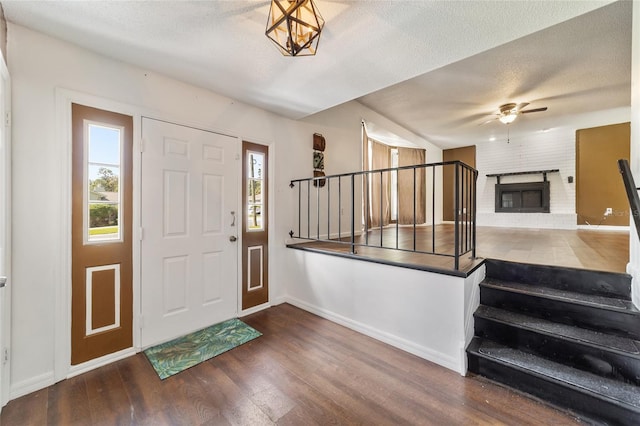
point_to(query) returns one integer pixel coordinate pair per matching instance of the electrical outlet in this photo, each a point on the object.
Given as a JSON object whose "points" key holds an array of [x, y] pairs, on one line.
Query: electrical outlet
{"points": [[608, 211]]}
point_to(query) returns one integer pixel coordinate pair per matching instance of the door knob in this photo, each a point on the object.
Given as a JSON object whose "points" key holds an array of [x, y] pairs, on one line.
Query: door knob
{"points": [[3, 281], [232, 238]]}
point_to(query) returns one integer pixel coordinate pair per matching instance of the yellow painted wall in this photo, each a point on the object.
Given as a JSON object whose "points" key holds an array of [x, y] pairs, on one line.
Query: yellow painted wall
{"points": [[598, 181]]}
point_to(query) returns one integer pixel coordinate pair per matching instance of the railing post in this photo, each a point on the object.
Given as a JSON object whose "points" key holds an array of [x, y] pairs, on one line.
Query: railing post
{"points": [[433, 208], [397, 204], [415, 205], [456, 218], [381, 218], [469, 209], [465, 207], [367, 199], [339, 208], [474, 213], [328, 209], [318, 209], [308, 209], [353, 214], [291, 185]]}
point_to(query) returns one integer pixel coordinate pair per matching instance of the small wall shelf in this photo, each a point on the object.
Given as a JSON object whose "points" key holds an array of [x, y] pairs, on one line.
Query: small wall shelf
{"points": [[534, 172]]}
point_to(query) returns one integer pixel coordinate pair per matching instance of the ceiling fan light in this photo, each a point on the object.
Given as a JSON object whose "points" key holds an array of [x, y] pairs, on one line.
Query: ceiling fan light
{"points": [[508, 118], [294, 26]]}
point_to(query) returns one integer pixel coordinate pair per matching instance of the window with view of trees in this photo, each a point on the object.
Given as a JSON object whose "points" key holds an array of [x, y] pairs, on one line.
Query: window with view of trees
{"points": [[254, 191], [103, 173]]}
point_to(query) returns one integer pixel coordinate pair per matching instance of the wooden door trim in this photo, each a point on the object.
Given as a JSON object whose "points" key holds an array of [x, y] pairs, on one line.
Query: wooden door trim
{"points": [[5, 168]]}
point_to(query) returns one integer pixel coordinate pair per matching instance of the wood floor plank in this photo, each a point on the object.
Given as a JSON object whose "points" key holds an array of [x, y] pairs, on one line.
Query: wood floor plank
{"points": [[589, 249], [30, 409], [68, 403], [142, 387], [304, 370], [107, 399]]}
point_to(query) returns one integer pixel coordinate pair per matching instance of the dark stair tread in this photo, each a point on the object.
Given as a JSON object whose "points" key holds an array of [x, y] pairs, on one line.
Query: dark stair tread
{"points": [[595, 338], [610, 303], [604, 283], [619, 392]]}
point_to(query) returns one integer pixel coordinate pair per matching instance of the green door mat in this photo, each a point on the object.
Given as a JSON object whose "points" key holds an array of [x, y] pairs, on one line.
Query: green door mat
{"points": [[179, 354]]}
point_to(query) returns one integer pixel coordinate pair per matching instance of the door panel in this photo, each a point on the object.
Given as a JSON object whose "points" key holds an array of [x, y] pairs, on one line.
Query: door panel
{"points": [[189, 200], [102, 292], [255, 230]]}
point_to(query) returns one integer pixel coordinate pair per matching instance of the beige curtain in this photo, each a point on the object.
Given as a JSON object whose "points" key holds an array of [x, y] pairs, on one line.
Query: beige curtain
{"points": [[379, 191], [411, 157]]}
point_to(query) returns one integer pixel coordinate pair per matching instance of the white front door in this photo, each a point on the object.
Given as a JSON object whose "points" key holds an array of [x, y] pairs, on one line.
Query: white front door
{"points": [[189, 206]]}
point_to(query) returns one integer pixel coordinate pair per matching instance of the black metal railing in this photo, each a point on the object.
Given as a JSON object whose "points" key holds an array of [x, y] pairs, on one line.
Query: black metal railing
{"points": [[377, 218], [632, 192]]}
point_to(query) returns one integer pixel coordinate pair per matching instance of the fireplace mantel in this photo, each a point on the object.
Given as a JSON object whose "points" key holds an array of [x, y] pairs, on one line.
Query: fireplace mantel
{"points": [[533, 172], [524, 197]]}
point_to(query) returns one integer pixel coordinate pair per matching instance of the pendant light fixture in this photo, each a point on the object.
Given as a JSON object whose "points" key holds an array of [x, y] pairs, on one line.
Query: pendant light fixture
{"points": [[294, 26]]}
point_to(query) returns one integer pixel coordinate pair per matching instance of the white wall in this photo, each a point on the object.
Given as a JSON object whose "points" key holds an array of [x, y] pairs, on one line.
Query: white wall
{"points": [[423, 313], [543, 151], [40, 66], [553, 149], [341, 124]]}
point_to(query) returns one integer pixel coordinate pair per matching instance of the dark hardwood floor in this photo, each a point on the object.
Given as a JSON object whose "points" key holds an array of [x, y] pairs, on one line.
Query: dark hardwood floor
{"points": [[304, 370]]}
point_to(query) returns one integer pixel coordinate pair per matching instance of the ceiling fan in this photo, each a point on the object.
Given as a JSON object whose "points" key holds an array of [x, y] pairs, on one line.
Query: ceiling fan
{"points": [[507, 113]]}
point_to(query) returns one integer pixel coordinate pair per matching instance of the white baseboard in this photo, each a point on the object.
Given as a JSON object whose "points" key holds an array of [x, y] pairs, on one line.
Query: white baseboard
{"points": [[47, 379], [604, 228], [278, 300], [31, 385], [398, 342], [254, 309], [76, 370], [527, 220]]}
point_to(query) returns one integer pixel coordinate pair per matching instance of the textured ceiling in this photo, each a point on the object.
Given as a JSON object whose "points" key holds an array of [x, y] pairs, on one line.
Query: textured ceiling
{"points": [[366, 46], [578, 67]]}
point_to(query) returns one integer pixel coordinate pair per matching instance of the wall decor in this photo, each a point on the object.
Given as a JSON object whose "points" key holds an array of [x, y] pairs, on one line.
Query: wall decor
{"points": [[318, 142], [319, 182], [319, 145], [318, 160]]}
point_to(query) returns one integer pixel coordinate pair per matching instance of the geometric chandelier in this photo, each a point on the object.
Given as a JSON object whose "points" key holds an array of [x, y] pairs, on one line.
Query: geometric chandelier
{"points": [[294, 26]]}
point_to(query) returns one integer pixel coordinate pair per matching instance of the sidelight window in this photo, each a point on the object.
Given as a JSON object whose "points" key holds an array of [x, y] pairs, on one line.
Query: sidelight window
{"points": [[255, 181], [103, 197]]}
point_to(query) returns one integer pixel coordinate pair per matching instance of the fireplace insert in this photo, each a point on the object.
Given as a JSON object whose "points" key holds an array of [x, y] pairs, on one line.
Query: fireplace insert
{"points": [[530, 197]]}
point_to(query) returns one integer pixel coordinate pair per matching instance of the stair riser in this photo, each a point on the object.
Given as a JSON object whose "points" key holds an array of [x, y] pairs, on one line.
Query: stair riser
{"points": [[606, 363], [622, 324], [606, 284], [562, 396]]}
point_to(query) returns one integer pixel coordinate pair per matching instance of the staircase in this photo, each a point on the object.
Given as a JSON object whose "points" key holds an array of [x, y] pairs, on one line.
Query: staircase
{"points": [[567, 336]]}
